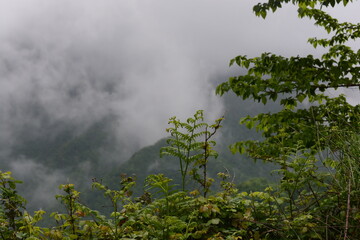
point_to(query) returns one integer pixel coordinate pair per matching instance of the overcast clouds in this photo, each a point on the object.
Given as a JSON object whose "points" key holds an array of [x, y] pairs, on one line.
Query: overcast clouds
{"points": [[143, 61]]}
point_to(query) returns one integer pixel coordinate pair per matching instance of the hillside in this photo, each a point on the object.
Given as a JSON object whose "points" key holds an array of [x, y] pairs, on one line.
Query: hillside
{"points": [[63, 153]]}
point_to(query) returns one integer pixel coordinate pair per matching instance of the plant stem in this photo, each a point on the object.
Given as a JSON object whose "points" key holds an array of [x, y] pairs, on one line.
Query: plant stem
{"points": [[347, 210]]}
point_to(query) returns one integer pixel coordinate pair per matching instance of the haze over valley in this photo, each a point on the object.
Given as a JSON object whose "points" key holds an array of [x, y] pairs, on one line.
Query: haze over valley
{"points": [[85, 85]]}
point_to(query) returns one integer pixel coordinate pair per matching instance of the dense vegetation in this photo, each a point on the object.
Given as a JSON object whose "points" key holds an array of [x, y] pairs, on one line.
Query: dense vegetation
{"points": [[316, 151]]}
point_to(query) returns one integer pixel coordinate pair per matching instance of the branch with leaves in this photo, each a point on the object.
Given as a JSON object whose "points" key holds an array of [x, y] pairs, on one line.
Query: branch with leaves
{"points": [[185, 144]]}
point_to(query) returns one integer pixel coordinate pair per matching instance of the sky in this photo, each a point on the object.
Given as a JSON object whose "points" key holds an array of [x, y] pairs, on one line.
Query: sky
{"points": [[141, 61]]}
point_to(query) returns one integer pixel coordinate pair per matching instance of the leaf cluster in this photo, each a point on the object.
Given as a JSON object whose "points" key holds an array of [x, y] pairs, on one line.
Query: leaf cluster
{"points": [[191, 144]]}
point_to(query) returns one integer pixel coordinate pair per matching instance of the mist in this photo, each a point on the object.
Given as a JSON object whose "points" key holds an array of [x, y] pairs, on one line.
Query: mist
{"points": [[67, 65]]}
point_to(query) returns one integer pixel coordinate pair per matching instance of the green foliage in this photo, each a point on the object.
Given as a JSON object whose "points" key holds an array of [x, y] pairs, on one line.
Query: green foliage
{"points": [[174, 216], [316, 151], [192, 153], [116, 198], [71, 225], [316, 148], [160, 183], [311, 201], [297, 79], [12, 205], [253, 184]]}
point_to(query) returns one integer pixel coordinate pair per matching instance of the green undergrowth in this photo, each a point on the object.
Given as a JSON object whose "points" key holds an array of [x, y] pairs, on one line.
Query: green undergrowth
{"points": [[308, 202]]}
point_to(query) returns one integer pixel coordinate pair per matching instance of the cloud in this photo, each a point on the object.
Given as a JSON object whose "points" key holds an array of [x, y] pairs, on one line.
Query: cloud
{"points": [[39, 187], [73, 63], [66, 62], [78, 62]]}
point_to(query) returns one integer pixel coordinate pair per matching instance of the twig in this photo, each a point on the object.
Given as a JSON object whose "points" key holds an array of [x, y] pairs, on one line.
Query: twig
{"points": [[347, 211]]}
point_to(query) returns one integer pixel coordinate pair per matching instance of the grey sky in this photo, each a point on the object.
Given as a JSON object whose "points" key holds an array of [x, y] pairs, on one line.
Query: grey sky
{"points": [[142, 60]]}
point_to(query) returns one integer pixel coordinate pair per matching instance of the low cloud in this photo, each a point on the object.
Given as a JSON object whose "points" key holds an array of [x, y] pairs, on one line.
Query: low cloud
{"points": [[69, 64], [39, 187], [76, 63]]}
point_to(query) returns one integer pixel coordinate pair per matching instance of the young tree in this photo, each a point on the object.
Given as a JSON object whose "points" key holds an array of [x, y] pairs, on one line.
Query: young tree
{"points": [[191, 143], [296, 79], [313, 203]]}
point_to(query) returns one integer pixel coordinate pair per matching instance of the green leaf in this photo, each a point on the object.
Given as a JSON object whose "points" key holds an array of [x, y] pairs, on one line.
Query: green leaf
{"points": [[301, 97], [263, 14], [249, 124], [12, 185], [214, 221], [263, 100]]}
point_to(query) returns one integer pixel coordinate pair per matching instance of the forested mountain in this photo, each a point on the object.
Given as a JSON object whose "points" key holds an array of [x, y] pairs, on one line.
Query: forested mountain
{"points": [[115, 188], [148, 161], [71, 155]]}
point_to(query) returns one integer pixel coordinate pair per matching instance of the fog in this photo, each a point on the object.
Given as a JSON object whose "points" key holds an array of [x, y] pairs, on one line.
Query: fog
{"points": [[74, 63]]}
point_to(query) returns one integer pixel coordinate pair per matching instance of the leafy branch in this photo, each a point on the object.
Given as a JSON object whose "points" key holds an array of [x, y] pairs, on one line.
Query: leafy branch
{"points": [[186, 146]]}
